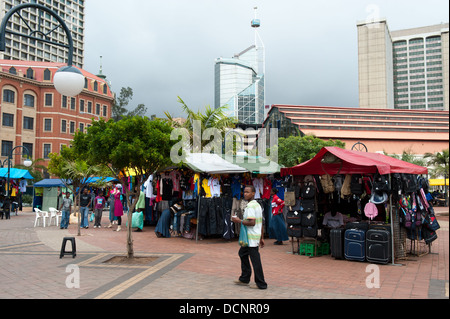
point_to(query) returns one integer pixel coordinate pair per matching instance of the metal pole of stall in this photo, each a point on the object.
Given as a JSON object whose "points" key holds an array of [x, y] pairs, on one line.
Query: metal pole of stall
{"points": [[198, 218]]}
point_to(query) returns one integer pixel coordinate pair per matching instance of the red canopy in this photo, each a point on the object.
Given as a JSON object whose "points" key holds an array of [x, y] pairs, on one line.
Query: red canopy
{"points": [[353, 162]]}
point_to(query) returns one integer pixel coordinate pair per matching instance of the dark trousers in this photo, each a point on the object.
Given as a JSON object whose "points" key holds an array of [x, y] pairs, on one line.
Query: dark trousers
{"points": [[255, 258]]}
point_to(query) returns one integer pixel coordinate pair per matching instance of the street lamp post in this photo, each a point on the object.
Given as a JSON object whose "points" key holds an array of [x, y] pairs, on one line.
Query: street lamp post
{"points": [[68, 80]]}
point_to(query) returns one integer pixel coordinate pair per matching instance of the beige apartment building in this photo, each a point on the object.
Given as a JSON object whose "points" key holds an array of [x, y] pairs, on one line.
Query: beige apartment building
{"points": [[404, 69], [21, 48]]}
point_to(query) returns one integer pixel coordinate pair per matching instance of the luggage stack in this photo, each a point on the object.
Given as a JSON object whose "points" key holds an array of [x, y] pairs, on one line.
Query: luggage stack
{"points": [[362, 242]]}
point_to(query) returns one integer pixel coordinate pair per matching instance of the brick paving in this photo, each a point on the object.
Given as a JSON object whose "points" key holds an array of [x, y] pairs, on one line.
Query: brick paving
{"points": [[30, 268]]}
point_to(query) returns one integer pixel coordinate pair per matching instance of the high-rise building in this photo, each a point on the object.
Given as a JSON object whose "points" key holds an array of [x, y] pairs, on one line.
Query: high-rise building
{"points": [[404, 69], [240, 82], [31, 19]]}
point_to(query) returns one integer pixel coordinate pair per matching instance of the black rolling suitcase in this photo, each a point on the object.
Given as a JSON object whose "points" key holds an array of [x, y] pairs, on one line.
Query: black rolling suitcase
{"points": [[337, 243], [378, 246]]}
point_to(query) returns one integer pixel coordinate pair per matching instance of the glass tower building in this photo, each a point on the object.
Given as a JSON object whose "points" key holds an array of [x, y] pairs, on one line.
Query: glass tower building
{"points": [[240, 87]]}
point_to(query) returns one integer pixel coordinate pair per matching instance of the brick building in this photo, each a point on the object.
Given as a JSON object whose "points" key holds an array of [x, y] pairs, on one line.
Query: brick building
{"points": [[33, 114]]}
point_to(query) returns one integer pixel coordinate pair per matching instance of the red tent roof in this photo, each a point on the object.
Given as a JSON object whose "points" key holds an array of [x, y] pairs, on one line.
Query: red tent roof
{"points": [[353, 162]]}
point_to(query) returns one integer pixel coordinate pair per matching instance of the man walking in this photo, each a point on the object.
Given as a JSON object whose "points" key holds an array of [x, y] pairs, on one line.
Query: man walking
{"points": [[66, 208], [85, 203], [253, 220]]}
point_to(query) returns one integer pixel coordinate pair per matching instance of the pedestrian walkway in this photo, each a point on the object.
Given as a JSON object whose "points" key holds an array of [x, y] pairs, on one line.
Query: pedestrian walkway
{"points": [[178, 268]]}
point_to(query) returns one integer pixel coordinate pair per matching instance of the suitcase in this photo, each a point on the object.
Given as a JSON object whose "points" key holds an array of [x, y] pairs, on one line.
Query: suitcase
{"points": [[294, 231], [378, 246], [355, 244], [357, 225], [337, 243], [386, 227]]}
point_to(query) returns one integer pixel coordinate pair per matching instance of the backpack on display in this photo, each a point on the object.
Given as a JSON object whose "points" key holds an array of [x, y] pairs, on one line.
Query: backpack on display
{"points": [[346, 190], [327, 184], [397, 185], [308, 205], [308, 190], [409, 183], [356, 184], [381, 183]]}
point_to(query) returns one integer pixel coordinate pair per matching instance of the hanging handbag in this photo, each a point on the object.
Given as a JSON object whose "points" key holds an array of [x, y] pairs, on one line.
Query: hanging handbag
{"points": [[243, 236], [289, 199]]}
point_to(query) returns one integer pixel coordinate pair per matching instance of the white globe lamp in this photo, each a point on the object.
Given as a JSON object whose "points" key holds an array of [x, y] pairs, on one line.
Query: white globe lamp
{"points": [[69, 81], [27, 163]]}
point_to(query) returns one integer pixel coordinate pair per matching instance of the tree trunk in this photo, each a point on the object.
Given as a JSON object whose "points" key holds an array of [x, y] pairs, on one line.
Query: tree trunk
{"points": [[79, 213]]}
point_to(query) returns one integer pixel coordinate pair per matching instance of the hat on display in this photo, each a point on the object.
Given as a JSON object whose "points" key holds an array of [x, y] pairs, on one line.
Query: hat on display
{"points": [[379, 198]]}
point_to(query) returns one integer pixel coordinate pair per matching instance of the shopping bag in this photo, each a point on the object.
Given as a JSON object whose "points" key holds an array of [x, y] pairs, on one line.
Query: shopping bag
{"points": [[91, 218], [243, 236], [137, 220]]}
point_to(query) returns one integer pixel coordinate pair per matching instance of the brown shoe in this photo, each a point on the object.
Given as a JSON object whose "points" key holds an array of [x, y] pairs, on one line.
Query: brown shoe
{"points": [[240, 283]]}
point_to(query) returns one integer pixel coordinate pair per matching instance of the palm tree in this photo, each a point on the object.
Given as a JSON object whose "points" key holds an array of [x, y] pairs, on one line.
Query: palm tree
{"points": [[79, 172], [35, 169], [440, 161], [210, 119]]}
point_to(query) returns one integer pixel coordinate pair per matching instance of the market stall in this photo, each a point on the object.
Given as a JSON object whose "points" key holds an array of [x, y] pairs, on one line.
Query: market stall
{"points": [[373, 191], [215, 184]]}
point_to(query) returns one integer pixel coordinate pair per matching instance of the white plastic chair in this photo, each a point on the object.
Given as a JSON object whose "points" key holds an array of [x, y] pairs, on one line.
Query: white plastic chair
{"points": [[56, 214], [40, 215]]}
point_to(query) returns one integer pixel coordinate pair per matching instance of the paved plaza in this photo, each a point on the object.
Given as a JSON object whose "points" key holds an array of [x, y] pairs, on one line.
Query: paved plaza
{"points": [[179, 268]]}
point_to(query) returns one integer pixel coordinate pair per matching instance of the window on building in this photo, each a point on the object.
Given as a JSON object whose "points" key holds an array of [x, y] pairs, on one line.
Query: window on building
{"points": [[29, 148], [13, 70], [63, 126], [95, 86], [47, 125], [48, 99], [73, 103], [105, 111], [72, 127], [28, 100], [105, 89], [97, 109], [28, 123], [8, 120], [47, 150], [30, 73], [9, 96], [47, 75], [81, 127], [7, 147], [89, 107], [64, 101], [82, 106]]}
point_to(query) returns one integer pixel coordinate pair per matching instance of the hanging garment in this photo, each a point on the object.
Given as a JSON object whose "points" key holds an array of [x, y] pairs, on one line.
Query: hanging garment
{"points": [[206, 188], [236, 187]]}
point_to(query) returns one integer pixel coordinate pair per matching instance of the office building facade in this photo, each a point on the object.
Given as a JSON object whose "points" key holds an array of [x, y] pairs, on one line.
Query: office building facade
{"points": [[240, 87], [20, 48], [404, 69]]}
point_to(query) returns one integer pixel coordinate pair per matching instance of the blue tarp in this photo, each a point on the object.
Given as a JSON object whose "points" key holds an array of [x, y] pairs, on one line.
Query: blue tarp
{"points": [[15, 173], [59, 182], [50, 183]]}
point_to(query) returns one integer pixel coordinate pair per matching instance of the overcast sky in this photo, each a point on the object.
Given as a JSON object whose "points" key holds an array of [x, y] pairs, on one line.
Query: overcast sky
{"points": [[166, 48]]}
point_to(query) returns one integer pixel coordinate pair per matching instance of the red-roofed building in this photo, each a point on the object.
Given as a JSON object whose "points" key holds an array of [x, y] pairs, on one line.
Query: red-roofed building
{"points": [[33, 114], [392, 131]]}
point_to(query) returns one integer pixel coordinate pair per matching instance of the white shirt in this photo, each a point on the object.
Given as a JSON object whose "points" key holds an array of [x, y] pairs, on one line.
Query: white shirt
{"points": [[214, 185], [259, 187], [149, 187], [254, 211]]}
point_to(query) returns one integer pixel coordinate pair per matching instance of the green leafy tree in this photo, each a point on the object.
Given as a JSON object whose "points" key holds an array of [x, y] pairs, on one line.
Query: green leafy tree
{"points": [[133, 144], [410, 157], [440, 162], [119, 107], [295, 150]]}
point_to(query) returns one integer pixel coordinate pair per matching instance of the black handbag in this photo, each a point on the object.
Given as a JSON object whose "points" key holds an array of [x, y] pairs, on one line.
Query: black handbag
{"points": [[308, 205]]}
